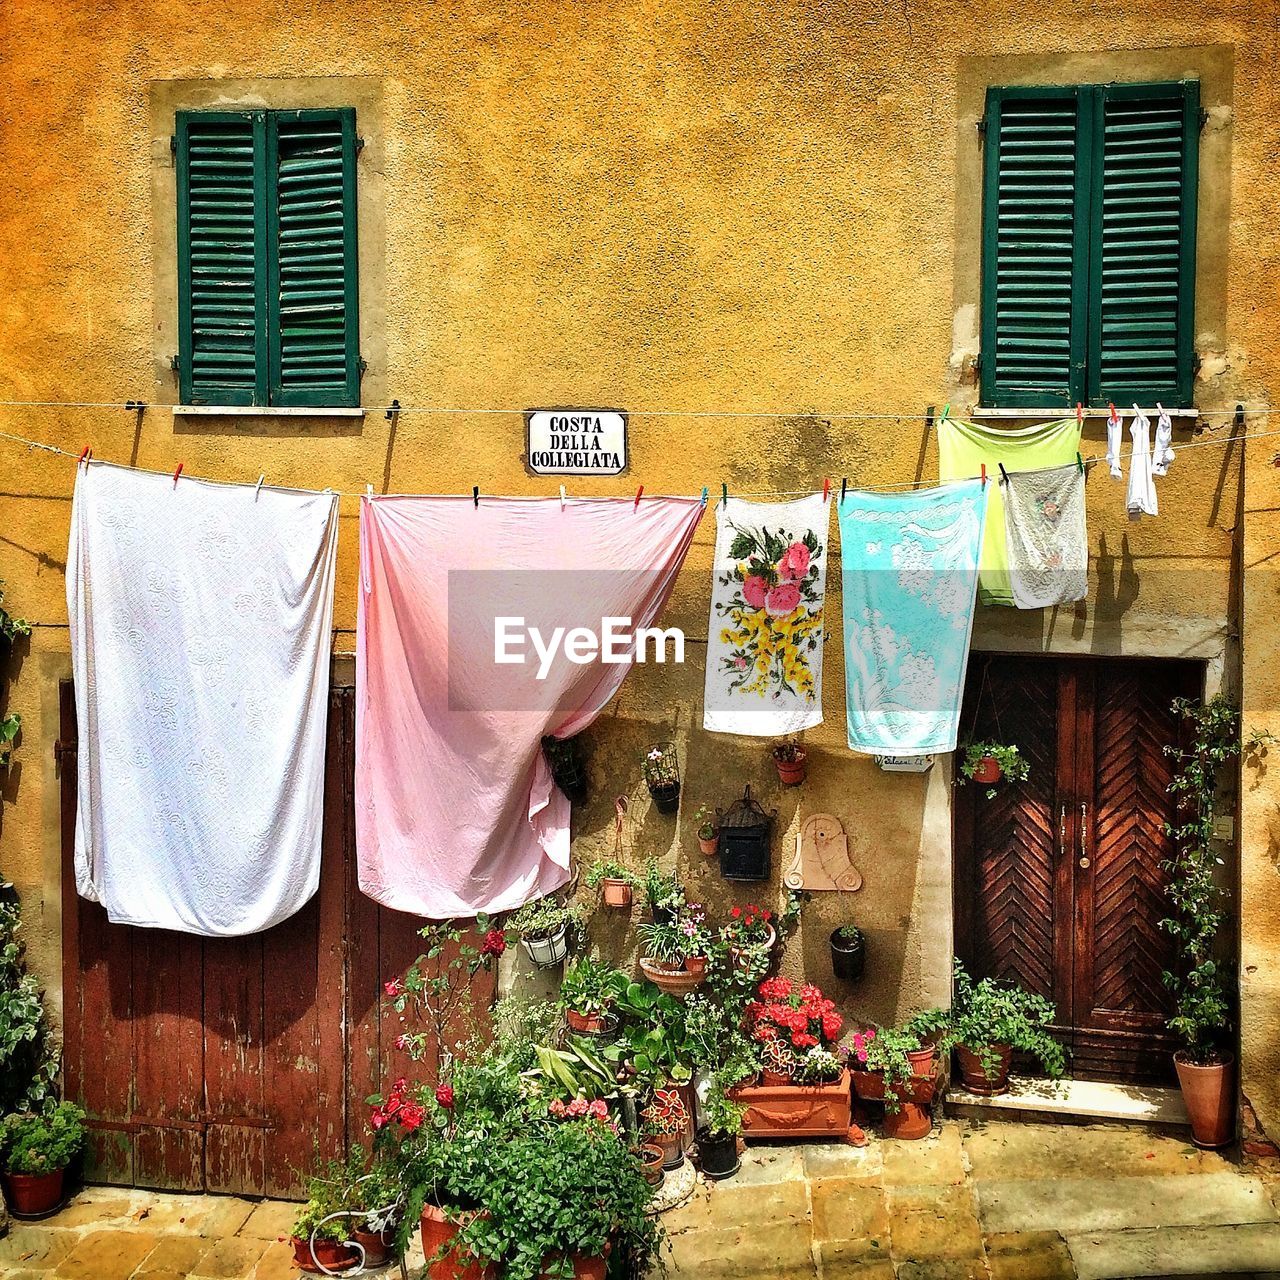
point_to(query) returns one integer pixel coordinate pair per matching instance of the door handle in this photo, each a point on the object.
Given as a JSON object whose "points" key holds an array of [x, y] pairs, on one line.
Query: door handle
{"points": [[1062, 831], [1084, 830]]}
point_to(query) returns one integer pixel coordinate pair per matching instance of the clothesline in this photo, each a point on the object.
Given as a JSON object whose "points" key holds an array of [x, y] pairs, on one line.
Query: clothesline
{"points": [[890, 486]]}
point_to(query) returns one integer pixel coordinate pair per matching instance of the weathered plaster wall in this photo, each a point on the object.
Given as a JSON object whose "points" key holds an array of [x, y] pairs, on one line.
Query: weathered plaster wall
{"points": [[706, 206]]}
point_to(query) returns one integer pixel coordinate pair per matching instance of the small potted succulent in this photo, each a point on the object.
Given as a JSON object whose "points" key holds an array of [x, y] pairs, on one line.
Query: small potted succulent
{"points": [[718, 1137], [989, 1020], [665, 1120], [588, 992], [661, 769], [789, 758], [544, 926], [708, 831], [848, 952], [616, 882], [988, 762], [35, 1150]]}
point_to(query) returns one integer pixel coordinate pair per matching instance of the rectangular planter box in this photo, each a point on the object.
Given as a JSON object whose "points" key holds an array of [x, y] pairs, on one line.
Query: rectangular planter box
{"points": [[795, 1110]]}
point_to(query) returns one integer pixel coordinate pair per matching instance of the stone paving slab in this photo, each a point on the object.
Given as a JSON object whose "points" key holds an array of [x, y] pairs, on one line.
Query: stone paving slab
{"points": [[1170, 1251]]}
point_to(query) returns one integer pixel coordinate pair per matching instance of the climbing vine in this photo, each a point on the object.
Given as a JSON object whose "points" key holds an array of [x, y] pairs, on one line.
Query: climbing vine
{"points": [[1213, 740]]}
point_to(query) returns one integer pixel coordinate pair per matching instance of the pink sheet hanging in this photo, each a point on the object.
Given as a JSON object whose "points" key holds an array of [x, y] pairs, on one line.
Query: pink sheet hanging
{"points": [[456, 811]]}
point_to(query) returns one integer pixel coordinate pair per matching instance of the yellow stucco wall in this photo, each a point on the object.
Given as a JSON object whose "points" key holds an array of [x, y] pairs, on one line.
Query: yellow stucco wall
{"points": [[694, 207]]}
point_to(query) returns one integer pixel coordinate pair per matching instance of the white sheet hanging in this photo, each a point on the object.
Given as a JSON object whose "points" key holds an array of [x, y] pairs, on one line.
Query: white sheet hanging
{"points": [[200, 634]]}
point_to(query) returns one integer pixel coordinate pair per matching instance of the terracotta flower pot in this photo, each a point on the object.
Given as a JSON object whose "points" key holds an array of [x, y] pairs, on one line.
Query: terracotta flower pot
{"points": [[910, 1122], [587, 1024], [617, 893], [455, 1264], [923, 1061], [652, 1158], [377, 1245], [975, 1078], [988, 771], [696, 965], [333, 1255], [791, 773], [772, 1079], [672, 1146], [675, 982], [790, 1110], [30, 1195], [1209, 1092], [710, 845], [586, 1268]]}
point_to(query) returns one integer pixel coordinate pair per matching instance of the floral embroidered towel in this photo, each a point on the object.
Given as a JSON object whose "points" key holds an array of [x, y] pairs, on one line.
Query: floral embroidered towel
{"points": [[909, 568], [200, 621], [473, 642], [764, 641], [1045, 536]]}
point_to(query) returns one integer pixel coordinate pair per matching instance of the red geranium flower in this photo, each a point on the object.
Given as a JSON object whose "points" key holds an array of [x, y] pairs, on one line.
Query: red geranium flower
{"points": [[444, 1096], [393, 988], [494, 944]]}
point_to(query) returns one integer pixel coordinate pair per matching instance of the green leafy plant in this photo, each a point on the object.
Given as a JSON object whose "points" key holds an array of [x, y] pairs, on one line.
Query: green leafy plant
{"points": [[789, 752], [9, 726], [41, 1142], [1014, 766], [662, 890], [591, 988], [10, 627], [660, 766], [929, 1025], [28, 1056], [654, 1037], [988, 1014], [884, 1050], [819, 1066], [608, 869], [666, 1113], [1202, 1011], [337, 1187], [544, 918], [849, 933], [705, 821], [721, 1116], [663, 943]]}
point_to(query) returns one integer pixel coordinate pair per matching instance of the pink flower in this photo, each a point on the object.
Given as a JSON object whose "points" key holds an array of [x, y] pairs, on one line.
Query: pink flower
{"points": [[753, 590], [393, 988], [378, 1119], [444, 1096], [556, 1108], [403, 1042], [794, 563], [597, 1110], [578, 1107], [782, 599]]}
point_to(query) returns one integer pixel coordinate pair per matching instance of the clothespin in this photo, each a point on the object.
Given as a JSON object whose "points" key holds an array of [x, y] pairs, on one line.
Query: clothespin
{"points": [[134, 406], [257, 488], [1115, 417], [475, 495], [86, 452], [368, 491], [1080, 413], [946, 409], [724, 494], [562, 497], [984, 475], [639, 495], [176, 474], [1004, 475], [826, 488], [392, 410], [844, 484], [1079, 462], [704, 495]]}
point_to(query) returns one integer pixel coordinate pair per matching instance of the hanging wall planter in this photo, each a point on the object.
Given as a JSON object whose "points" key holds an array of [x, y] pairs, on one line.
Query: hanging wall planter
{"points": [[746, 835], [662, 776], [547, 951], [848, 953], [564, 759], [790, 760]]}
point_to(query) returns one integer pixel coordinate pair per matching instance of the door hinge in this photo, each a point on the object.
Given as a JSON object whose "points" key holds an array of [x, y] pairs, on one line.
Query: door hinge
{"points": [[359, 143], [982, 127], [1204, 119], [61, 749], [175, 364], [362, 364], [173, 143]]}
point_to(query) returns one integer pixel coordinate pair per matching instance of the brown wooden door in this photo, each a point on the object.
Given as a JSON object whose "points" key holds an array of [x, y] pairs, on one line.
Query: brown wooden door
{"points": [[1058, 880], [231, 1064]]}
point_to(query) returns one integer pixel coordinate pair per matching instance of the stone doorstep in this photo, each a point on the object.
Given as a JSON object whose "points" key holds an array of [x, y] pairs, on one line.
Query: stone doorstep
{"points": [[1247, 1249], [1031, 1098]]}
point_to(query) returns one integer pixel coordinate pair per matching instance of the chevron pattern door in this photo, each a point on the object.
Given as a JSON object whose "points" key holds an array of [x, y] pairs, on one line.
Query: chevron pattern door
{"points": [[1058, 882]]}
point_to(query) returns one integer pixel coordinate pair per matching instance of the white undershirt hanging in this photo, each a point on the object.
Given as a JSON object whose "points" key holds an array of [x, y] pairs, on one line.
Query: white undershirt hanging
{"points": [[1164, 443], [1142, 490], [1115, 434]]}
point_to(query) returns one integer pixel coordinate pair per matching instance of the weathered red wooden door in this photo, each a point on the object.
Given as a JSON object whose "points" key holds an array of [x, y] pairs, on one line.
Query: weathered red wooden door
{"points": [[232, 1064], [1058, 880]]}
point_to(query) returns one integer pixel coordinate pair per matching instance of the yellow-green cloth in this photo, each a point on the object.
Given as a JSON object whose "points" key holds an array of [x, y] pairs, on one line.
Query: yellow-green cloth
{"points": [[965, 447]]}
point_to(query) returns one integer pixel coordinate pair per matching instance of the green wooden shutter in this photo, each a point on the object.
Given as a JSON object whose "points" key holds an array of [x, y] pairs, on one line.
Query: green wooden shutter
{"points": [[1142, 290], [1034, 258], [222, 240], [313, 298]]}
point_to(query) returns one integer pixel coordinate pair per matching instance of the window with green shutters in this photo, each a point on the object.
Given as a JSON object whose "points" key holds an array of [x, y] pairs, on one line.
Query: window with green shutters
{"points": [[1088, 249], [268, 301]]}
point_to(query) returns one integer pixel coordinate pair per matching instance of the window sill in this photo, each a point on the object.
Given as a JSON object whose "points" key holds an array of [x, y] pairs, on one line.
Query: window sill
{"points": [[262, 411], [1059, 411]]}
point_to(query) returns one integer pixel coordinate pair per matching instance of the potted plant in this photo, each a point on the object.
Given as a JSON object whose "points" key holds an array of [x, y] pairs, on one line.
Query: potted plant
{"points": [[708, 831], [35, 1150], [718, 1136], [616, 882], [668, 948], [663, 893], [749, 932], [988, 762], [1201, 1016], [848, 952], [989, 1020], [377, 1197], [897, 1069], [10, 628], [661, 770], [652, 1157], [789, 758], [320, 1238], [666, 1120], [588, 992], [544, 926], [564, 759]]}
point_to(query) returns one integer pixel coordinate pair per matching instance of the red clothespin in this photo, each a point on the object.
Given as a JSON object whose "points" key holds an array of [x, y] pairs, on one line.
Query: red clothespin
{"points": [[984, 475], [1115, 417], [639, 495], [1080, 413], [176, 474], [86, 452], [826, 488]]}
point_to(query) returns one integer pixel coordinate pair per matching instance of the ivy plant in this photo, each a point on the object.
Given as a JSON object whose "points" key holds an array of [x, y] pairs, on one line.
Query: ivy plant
{"points": [[1014, 766], [28, 1058], [988, 1014], [41, 1142], [1199, 986]]}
